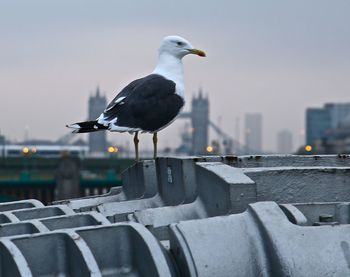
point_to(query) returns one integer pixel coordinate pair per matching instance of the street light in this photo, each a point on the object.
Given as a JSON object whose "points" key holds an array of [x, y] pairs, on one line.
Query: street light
{"points": [[113, 149], [25, 150], [308, 148]]}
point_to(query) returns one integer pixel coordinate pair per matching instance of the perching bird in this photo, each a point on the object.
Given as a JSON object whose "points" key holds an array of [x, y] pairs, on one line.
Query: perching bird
{"points": [[151, 103]]}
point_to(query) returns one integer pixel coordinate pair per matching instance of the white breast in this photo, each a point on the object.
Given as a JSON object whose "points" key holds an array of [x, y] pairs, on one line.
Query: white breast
{"points": [[171, 68]]}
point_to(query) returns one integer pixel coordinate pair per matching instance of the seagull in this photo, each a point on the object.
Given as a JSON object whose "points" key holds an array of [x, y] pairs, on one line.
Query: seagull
{"points": [[151, 103]]}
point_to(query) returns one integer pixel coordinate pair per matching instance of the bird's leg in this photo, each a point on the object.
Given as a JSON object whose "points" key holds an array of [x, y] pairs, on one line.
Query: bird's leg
{"points": [[155, 140], [136, 142]]}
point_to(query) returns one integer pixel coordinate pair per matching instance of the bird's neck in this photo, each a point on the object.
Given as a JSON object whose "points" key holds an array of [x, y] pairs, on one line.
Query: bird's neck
{"points": [[171, 68]]}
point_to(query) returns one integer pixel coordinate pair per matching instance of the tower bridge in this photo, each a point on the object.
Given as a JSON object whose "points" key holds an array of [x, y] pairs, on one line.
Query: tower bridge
{"points": [[200, 124]]}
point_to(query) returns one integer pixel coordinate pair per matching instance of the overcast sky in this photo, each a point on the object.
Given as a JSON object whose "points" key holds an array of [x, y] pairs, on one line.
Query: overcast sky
{"points": [[274, 57]]}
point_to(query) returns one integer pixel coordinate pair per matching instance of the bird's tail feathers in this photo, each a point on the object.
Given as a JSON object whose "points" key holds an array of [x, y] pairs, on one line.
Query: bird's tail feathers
{"points": [[86, 127]]}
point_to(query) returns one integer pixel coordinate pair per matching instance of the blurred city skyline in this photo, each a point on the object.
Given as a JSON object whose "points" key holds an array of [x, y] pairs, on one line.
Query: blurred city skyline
{"points": [[269, 57]]}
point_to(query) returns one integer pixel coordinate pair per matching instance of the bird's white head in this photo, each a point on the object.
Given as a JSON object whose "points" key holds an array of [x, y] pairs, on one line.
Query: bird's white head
{"points": [[178, 47]]}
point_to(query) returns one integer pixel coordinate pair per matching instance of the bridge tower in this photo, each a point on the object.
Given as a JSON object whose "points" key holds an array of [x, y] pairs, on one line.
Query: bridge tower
{"points": [[200, 123]]}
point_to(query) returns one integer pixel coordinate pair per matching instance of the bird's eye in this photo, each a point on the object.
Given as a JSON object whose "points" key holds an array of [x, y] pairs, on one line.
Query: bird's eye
{"points": [[179, 43]]}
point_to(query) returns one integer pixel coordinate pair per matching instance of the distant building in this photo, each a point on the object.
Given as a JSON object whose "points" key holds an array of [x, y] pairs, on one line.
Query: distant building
{"points": [[2, 139], [285, 142], [253, 132], [319, 121], [336, 141], [339, 113], [97, 140]]}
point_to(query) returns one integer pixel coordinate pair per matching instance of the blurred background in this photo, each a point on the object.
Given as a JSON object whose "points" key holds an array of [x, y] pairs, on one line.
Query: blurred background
{"points": [[276, 80]]}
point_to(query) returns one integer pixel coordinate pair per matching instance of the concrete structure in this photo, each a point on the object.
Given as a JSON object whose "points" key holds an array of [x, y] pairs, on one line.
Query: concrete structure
{"points": [[97, 140], [172, 216], [253, 132], [284, 142]]}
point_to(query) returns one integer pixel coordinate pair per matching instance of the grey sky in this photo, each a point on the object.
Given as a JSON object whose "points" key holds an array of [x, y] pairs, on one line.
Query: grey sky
{"points": [[275, 57]]}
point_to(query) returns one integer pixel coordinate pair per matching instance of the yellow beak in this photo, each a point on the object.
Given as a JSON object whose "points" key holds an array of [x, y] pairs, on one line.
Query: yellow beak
{"points": [[197, 52]]}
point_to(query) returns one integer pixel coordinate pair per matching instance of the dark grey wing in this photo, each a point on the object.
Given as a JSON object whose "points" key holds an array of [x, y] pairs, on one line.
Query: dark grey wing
{"points": [[150, 103], [118, 100]]}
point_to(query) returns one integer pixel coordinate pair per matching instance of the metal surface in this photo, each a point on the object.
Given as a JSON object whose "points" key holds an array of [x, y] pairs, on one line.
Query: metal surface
{"points": [[259, 242], [180, 213]]}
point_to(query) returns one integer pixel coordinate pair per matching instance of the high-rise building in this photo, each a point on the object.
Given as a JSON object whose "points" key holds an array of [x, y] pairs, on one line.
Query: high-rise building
{"points": [[318, 121], [338, 112], [284, 142], [321, 120], [97, 140], [253, 132]]}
